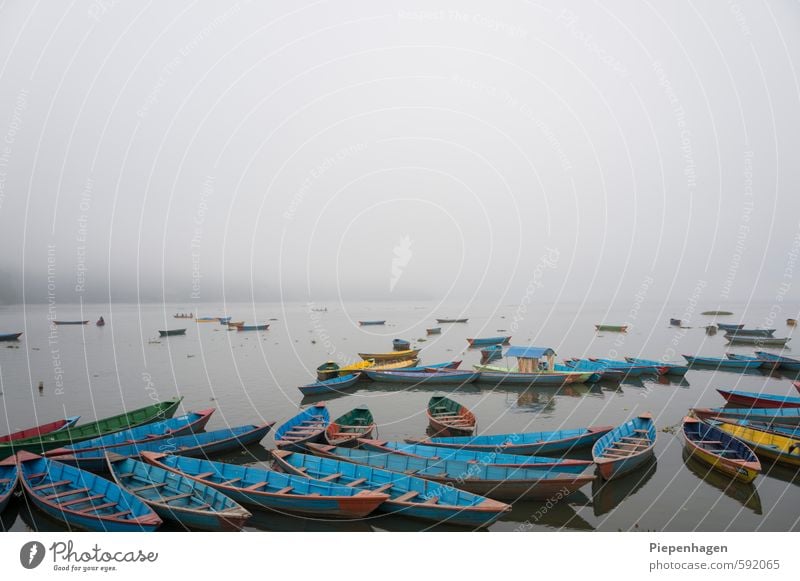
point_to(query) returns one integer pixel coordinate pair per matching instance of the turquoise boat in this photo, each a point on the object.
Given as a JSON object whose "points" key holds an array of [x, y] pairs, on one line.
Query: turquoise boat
{"points": [[723, 363], [788, 363], [626, 447], [672, 368], [445, 365], [9, 478], [599, 372], [482, 341], [785, 416], [654, 368], [307, 426], [263, 327], [335, 385]]}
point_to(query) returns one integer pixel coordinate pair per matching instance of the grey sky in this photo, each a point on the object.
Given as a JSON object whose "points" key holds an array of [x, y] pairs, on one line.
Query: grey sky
{"points": [[398, 150]]}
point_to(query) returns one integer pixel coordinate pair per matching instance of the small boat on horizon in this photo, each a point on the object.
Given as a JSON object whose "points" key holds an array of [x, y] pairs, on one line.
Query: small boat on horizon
{"points": [[758, 341], [367, 323], [451, 320], [171, 332], [434, 331], [70, 322], [263, 327], [10, 336], [613, 328], [483, 341]]}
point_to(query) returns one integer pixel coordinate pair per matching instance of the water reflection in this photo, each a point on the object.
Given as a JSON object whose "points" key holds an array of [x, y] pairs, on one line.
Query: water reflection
{"points": [[609, 494], [745, 494]]}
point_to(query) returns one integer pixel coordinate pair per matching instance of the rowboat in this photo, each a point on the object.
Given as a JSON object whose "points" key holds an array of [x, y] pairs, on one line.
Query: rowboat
{"points": [[767, 445], [307, 426], [203, 445], [81, 499], [672, 368], [233, 325], [266, 489], [179, 426], [624, 368], [713, 313], [409, 496], [183, 316], [492, 353], [391, 365], [401, 345], [524, 443], [138, 417], [263, 327], [729, 326], [784, 416], [491, 481], [41, 430], [451, 320], [675, 322], [445, 365], [781, 430], [335, 385], [391, 356], [722, 363], [626, 447], [434, 331], [760, 341], [10, 336], [327, 370], [70, 322], [759, 400], [765, 364], [449, 418], [480, 341], [750, 333], [788, 363], [176, 497], [171, 332], [423, 377], [224, 320], [655, 368], [9, 478], [599, 371], [615, 328], [346, 429], [207, 320], [510, 375], [495, 458], [720, 450], [365, 323]]}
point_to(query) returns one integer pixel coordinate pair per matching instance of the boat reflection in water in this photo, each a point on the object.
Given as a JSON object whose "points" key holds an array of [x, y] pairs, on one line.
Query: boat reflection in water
{"points": [[609, 494], [745, 494], [557, 513], [9, 515]]}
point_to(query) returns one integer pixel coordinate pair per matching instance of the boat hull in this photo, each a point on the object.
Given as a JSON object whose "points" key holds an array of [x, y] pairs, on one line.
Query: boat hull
{"points": [[626, 448], [333, 385], [10, 336], [756, 400], [714, 447]]}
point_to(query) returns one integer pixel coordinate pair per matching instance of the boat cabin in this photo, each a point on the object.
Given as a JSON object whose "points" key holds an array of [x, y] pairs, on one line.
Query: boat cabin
{"points": [[533, 359]]}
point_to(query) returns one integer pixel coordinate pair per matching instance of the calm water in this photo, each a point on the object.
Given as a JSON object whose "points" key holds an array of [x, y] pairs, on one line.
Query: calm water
{"points": [[252, 377]]}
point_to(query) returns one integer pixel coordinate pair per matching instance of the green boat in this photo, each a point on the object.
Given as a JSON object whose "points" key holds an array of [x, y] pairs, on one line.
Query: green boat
{"points": [[139, 417], [615, 328], [172, 332], [346, 429], [716, 313]]}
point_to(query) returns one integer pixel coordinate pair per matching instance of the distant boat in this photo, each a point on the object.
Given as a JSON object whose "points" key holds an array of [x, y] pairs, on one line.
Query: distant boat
{"points": [[722, 363], [449, 418], [675, 322], [183, 315], [626, 447], [599, 371], [750, 333], [783, 416], [100, 322], [391, 356], [672, 368], [653, 368], [41, 430], [335, 384], [434, 331], [720, 450], [788, 363], [327, 370], [428, 376], [718, 313], [765, 363], [263, 327], [614, 328], [729, 326], [365, 323], [401, 344], [171, 332], [759, 400], [70, 322], [759, 341], [10, 336], [481, 341], [791, 322], [492, 353], [346, 429], [452, 320], [207, 319], [224, 320]]}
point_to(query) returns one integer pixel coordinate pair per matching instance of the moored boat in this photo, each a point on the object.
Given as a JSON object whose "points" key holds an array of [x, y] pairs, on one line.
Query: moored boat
{"points": [[720, 450], [262, 327], [207, 320], [449, 418], [785, 416], [716, 313], [722, 363], [481, 341], [10, 336], [71, 322], [171, 332], [765, 364], [750, 333], [346, 429], [334, 385], [41, 430], [307, 426], [614, 328], [511, 375], [599, 371], [391, 365], [327, 370], [672, 368], [451, 320], [391, 356], [759, 341], [434, 331], [375, 322], [654, 368], [759, 400], [491, 353], [730, 326], [788, 363], [426, 376], [401, 345], [675, 322], [791, 322], [445, 365], [9, 478], [234, 325], [626, 447], [774, 447]]}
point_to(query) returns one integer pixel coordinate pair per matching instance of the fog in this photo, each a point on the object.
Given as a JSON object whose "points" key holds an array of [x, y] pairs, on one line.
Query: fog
{"points": [[301, 151]]}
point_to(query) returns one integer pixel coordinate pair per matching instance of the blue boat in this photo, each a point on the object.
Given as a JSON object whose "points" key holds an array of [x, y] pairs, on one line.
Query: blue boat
{"points": [[81, 499], [445, 365], [764, 364], [628, 370], [626, 447], [263, 327], [721, 363], [480, 341], [720, 450], [307, 426], [600, 371], [524, 443], [492, 353], [672, 368], [401, 344], [10, 336], [785, 416], [494, 458], [176, 497], [426, 377], [787, 363], [730, 326], [335, 385], [657, 368], [408, 495], [205, 444], [9, 478], [750, 333], [269, 490]]}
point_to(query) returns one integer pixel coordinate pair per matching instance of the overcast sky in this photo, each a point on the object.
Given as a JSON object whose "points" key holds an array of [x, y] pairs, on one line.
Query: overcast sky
{"points": [[408, 150]]}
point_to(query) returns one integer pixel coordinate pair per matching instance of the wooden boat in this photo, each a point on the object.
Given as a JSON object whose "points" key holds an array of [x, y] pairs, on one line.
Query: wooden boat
{"points": [[675, 322], [10, 336], [481, 341], [307, 426], [764, 364], [183, 315], [233, 325], [716, 313], [41, 430], [524, 443], [599, 371], [171, 332], [759, 400], [366, 323], [788, 363], [178, 498], [791, 322], [9, 478], [346, 429], [759, 341], [491, 481], [510, 375], [655, 368], [729, 326], [434, 331], [327, 370], [722, 363], [492, 353], [391, 356], [224, 320], [207, 320], [335, 385], [672, 368], [138, 417], [750, 333], [391, 365], [626, 447], [70, 322], [449, 418], [81, 499], [495, 458], [445, 365], [720, 450], [451, 320], [266, 489], [781, 430], [409, 496], [780, 449], [624, 368], [614, 328], [424, 377], [784, 416], [401, 345], [100, 322], [263, 327]]}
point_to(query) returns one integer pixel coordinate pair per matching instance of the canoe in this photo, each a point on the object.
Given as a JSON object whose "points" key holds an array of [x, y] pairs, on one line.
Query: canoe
{"points": [[10, 336], [9, 478], [401, 344], [41, 430], [446, 365], [780, 449], [334, 385], [391, 356], [176, 497], [675, 322], [266, 489], [364, 323], [263, 327], [788, 363], [307, 426], [654, 368], [750, 333], [525, 443], [424, 377], [449, 418], [712, 313], [391, 365], [434, 331], [626, 447], [171, 332], [327, 370], [765, 364], [491, 481], [70, 322], [507, 375], [722, 363], [729, 326], [203, 445], [138, 417], [346, 429], [599, 371], [207, 320], [179, 426], [672, 368], [451, 320], [759, 400], [81, 499], [615, 328], [781, 430], [720, 450], [224, 320], [626, 370], [784, 416], [480, 341], [760, 341], [492, 353], [409, 496], [498, 459]]}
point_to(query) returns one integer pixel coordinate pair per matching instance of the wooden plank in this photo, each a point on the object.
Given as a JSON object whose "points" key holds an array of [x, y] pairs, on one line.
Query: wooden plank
{"points": [[407, 496], [81, 499], [256, 486], [175, 497], [154, 485], [89, 509], [231, 481], [356, 482], [330, 477], [204, 475], [285, 490], [66, 493], [386, 486], [118, 514], [432, 500], [51, 484]]}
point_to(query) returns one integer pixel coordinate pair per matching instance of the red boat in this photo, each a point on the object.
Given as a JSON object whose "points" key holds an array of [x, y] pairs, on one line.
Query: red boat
{"points": [[751, 399], [40, 430]]}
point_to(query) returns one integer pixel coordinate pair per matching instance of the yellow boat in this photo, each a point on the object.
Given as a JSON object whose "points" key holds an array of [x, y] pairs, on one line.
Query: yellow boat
{"points": [[392, 355], [389, 365], [360, 366], [772, 446]]}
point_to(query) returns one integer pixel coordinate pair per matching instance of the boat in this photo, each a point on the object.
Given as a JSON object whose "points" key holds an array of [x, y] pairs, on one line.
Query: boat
{"points": [[791, 322], [171, 332], [81, 499], [511, 375], [207, 320], [759, 400], [391, 356], [70, 322], [401, 345], [675, 322], [409, 496], [672, 368], [434, 331], [720, 450], [722, 363], [773, 447], [788, 363], [327, 370], [451, 320], [626, 447], [624, 368], [138, 417], [346, 429], [445, 365], [183, 316], [423, 377], [224, 320], [750, 333], [233, 325], [765, 364], [759, 341], [353, 368], [729, 326], [100, 322], [41, 430], [178, 498], [334, 385], [491, 353], [9, 478], [599, 371], [263, 327], [307, 426], [491, 481], [390, 365], [270, 490], [366, 323], [524, 443], [716, 313], [481, 341], [495, 458], [10, 336], [615, 328], [783, 416], [449, 418], [653, 368]]}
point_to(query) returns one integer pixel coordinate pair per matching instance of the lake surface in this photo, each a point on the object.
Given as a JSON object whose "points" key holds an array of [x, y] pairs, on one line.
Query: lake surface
{"points": [[252, 377]]}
